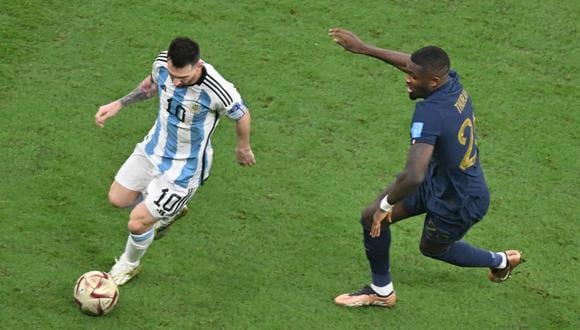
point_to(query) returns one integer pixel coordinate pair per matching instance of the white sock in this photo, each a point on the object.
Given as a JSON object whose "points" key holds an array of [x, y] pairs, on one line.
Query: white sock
{"points": [[383, 290], [136, 246], [503, 263]]}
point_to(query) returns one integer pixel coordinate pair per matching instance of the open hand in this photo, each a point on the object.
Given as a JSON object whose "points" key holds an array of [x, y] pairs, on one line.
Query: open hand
{"points": [[378, 218], [347, 40]]}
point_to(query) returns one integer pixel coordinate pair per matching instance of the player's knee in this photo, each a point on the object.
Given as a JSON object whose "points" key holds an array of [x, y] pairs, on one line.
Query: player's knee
{"points": [[366, 218], [140, 220], [137, 227], [432, 250], [116, 200]]}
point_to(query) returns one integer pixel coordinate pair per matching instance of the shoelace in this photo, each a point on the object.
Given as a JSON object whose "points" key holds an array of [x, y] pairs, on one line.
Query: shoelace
{"points": [[365, 290], [120, 267]]}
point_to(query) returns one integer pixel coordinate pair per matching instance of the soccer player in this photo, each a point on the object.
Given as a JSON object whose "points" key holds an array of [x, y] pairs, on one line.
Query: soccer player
{"points": [[175, 157], [442, 178]]}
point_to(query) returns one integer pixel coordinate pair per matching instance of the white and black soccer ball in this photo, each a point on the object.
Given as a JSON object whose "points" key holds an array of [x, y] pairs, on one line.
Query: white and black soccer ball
{"points": [[96, 293]]}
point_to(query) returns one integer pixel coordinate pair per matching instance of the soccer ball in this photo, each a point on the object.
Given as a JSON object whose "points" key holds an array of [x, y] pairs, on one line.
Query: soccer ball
{"points": [[96, 293]]}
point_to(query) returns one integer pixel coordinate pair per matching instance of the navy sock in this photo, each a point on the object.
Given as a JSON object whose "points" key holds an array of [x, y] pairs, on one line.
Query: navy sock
{"points": [[377, 251], [460, 253]]}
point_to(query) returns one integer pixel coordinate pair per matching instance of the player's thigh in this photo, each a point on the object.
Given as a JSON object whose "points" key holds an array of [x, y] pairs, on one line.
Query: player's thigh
{"points": [[439, 232], [122, 197], [131, 179], [166, 199]]}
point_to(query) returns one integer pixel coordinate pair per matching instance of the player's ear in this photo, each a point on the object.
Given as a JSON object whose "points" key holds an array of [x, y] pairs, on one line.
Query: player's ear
{"points": [[434, 81]]}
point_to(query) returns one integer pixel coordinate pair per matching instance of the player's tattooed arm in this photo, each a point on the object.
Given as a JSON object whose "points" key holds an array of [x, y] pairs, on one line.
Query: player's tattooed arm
{"points": [[146, 90]]}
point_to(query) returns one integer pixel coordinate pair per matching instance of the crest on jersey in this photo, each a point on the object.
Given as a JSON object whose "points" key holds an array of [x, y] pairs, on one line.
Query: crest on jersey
{"points": [[194, 107], [416, 130]]}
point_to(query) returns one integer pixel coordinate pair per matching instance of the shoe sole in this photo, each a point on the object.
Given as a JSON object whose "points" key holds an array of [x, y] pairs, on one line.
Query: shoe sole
{"points": [[377, 303], [360, 304]]}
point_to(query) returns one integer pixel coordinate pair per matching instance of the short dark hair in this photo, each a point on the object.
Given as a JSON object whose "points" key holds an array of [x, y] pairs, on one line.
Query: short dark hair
{"points": [[432, 59], [183, 51]]}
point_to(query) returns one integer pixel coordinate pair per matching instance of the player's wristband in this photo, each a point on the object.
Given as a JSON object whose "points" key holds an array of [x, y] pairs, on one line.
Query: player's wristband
{"points": [[384, 204]]}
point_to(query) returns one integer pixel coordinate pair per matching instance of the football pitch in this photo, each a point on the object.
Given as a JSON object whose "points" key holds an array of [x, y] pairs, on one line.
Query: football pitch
{"points": [[269, 247]]}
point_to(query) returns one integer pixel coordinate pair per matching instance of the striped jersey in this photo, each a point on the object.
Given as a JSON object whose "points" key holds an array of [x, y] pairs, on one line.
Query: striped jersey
{"points": [[179, 143]]}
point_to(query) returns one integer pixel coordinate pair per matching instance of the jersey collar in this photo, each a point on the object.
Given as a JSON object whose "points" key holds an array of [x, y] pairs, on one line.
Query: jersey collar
{"points": [[201, 77]]}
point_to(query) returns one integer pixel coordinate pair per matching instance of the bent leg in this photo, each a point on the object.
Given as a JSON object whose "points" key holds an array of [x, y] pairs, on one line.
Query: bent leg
{"points": [[462, 254], [122, 197], [381, 291], [141, 220], [131, 180], [140, 234], [140, 238], [377, 249], [164, 200], [441, 240]]}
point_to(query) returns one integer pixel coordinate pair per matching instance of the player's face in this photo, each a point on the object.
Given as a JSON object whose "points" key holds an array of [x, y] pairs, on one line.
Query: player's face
{"points": [[419, 83], [187, 75]]}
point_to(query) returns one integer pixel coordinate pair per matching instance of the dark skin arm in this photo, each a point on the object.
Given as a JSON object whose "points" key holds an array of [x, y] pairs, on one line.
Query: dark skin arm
{"points": [[419, 154], [351, 42], [406, 183]]}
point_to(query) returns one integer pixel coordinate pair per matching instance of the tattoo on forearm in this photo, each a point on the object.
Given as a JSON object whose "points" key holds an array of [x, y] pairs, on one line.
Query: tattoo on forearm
{"points": [[135, 96]]}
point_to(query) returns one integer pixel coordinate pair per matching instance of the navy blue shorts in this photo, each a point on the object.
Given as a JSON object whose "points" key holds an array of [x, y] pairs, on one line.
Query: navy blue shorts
{"points": [[438, 228]]}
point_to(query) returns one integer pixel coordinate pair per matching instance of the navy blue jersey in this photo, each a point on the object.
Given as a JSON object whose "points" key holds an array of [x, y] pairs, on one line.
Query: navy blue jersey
{"points": [[455, 186]]}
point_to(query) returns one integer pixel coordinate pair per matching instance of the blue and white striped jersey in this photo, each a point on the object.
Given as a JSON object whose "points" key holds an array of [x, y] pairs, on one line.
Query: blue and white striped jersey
{"points": [[179, 143]]}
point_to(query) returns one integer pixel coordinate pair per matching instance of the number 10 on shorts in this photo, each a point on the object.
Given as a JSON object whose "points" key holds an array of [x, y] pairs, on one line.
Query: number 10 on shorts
{"points": [[169, 204]]}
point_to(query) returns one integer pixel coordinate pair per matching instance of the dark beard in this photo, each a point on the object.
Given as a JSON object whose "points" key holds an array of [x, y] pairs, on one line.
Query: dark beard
{"points": [[418, 93]]}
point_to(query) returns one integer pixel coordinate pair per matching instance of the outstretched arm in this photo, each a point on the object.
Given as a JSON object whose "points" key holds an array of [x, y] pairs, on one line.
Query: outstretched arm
{"points": [[353, 44], [405, 184], [244, 153], [146, 89]]}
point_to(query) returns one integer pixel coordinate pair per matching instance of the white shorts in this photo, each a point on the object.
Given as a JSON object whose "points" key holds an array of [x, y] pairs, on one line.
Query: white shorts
{"points": [[163, 198]]}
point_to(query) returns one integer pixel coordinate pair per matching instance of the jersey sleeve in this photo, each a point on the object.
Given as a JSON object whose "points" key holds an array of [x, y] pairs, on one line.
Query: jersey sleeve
{"points": [[230, 102], [426, 125], [160, 61]]}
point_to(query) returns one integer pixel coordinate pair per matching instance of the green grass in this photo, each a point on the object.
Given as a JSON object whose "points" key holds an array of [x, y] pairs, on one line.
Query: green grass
{"points": [[270, 246]]}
